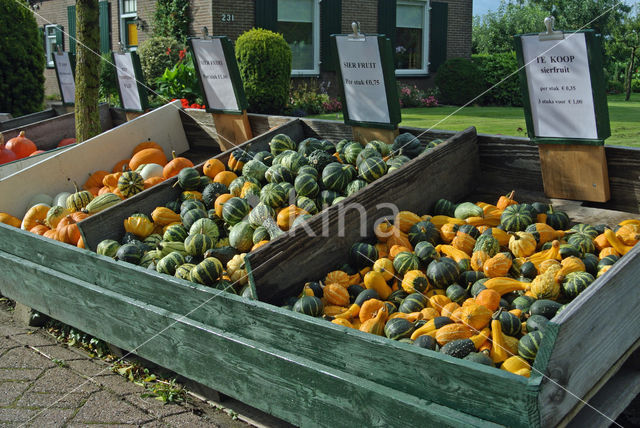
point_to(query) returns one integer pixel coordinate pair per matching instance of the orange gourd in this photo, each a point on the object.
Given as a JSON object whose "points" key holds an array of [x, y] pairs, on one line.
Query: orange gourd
{"points": [[220, 201], [478, 259], [608, 251], [152, 181], [398, 237], [213, 167], [476, 316], [146, 156], [36, 215], [336, 294], [10, 220], [628, 235], [51, 234], [497, 265], [225, 177], [464, 242], [39, 229], [95, 179], [429, 314], [405, 219], [506, 200], [146, 145], [383, 230], [601, 242], [369, 309], [375, 325], [450, 332], [488, 298], [68, 231], [120, 166], [449, 309], [21, 146], [397, 249], [448, 232], [163, 216], [337, 277], [438, 302], [175, 165]]}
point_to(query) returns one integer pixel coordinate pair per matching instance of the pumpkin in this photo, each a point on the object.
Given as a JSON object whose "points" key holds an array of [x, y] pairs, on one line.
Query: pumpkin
{"points": [[40, 229], [151, 170], [36, 215], [336, 294], [10, 220], [476, 316], [376, 325], [516, 218], [130, 183], [337, 277], [464, 242], [506, 200], [6, 155], [497, 265], [147, 156], [121, 166], [51, 234], [451, 332], [68, 231], [146, 145], [54, 215], [152, 181], [21, 146], [95, 179], [522, 244], [175, 165]]}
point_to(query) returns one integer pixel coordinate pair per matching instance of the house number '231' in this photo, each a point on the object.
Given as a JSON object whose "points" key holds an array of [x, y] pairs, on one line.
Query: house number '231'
{"points": [[228, 17]]}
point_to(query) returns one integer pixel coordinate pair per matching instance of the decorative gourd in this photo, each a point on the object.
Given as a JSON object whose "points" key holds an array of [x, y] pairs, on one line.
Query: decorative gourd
{"points": [[213, 167], [336, 294], [234, 210], [370, 169], [464, 242], [385, 267], [241, 236], [448, 232], [466, 210], [582, 242], [415, 281], [21, 146], [475, 316], [529, 344], [130, 183], [287, 216], [36, 215], [442, 272], [10, 220], [451, 332], [54, 215], [545, 286], [552, 253], [207, 272], [516, 218], [506, 200], [516, 365], [280, 143], [570, 264], [576, 282], [376, 325], [478, 259], [139, 226], [78, 200], [497, 265], [68, 231], [175, 165], [506, 285], [198, 243], [405, 220], [101, 203], [522, 244], [163, 216], [374, 280]]}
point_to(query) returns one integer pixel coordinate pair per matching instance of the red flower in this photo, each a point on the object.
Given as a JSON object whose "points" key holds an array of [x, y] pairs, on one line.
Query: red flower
{"points": [[182, 53], [168, 51]]}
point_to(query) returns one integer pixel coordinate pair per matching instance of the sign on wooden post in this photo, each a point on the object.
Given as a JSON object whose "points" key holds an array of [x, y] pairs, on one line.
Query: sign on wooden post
{"points": [[64, 64], [566, 110], [222, 87], [133, 94], [366, 74]]}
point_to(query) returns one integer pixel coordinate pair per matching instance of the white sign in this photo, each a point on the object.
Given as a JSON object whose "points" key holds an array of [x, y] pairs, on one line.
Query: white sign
{"points": [[65, 77], [127, 81], [559, 84], [363, 79], [214, 74]]}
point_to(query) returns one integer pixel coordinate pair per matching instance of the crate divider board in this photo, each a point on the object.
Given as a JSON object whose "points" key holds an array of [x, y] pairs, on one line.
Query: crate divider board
{"points": [[325, 372], [46, 135]]}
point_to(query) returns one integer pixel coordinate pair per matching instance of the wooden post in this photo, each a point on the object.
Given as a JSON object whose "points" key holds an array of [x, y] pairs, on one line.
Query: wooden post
{"points": [[364, 135], [232, 129], [574, 172], [133, 114]]}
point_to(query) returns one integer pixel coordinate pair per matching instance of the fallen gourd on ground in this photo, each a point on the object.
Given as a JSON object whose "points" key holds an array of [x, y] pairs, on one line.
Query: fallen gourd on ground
{"points": [[147, 167], [473, 281]]}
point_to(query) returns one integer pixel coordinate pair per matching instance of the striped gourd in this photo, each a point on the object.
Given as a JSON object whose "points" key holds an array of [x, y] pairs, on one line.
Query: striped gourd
{"points": [[131, 253], [425, 251], [380, 146], [130, 183], [101, 202], [273, 195], [405, 261], [586, 229], [355, 186], [397, 162], [529, 344], [78, 200], [351, 152], [306, 185], [153, 240], [397, 328], [575, 283], [206, 226], [443, 207], [191, 204], [234, 210], [335, 176], [362, 254], [198, 243], [184, 271], [308, 145], [367, 153], [170, 262], [236, 186], [309, 305], [150, 257], [308, 169], [259, 213], [55, 214], [278, 174], [280, 143], [241, 236], [189, 178], [191, 216], [254, 169], [307, 204], [511, 324], [207, 271], [293, 161], [190, 194], [516, 218], [260, 234], [326, 198], [442, 272], [166, 248], [414, 302], [372, 168], [108, 248], [423, 231], [175, 233], [582, 241]]}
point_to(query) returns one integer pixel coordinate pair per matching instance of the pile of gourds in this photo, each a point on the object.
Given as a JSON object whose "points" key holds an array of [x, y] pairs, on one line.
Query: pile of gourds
{"points": [[57, 217], [474, 281], [20, 147]]}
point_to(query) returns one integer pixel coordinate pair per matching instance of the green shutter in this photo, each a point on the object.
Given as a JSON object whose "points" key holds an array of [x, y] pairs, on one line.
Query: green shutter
{"points": [[71, 16], [267, 14], [438, 35], [59, 37], [387, 19], [330, 23], [105, 41]]}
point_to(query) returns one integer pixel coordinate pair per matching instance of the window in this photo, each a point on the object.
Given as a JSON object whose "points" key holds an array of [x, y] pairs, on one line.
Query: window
{"points": [[128, 28], [52, 36], [412, 41], [298, 21]]}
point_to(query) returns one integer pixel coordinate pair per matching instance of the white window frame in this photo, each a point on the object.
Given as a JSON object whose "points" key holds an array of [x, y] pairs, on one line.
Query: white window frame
{"points": [[316, 44], [48, 46], [123, 28], [424, 70]]}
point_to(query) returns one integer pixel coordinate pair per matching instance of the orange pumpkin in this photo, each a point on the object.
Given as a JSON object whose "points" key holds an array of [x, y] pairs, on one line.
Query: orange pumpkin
{"points": [[337, 277], [10, 220], [39, 229], [506, 200], [336, 294], [68, 230], [51, 234], [146, 145], [213, 167], [175, 165], [225, 177], [103, 190], [146, 156], [476, 316], [488, 298], [21, 146], [220, 200], [497, 265], [120, 166], [152, 181], [95, 179]]}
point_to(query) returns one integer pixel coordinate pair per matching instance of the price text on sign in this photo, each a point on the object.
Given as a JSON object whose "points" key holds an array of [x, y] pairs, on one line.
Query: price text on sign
{"points": [[65, 77], [363, 79], [127, 81], [559, 84], [214, 75]]}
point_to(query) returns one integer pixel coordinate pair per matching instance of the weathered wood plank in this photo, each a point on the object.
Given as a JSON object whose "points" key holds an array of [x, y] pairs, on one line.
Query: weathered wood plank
{"points": [[600, 345], [429, 377], [27, 119], [108, 224], [243, 368], [453, 165]]}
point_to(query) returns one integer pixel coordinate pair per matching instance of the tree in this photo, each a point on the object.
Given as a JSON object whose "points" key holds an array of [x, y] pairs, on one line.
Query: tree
{"points": [[87, 69], [625, 44], [21, 60]]}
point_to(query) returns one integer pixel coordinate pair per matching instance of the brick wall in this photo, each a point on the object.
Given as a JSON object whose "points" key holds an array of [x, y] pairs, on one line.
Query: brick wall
{"points": [[364, 11], [200, 16], [459, 28], [242, 14]]}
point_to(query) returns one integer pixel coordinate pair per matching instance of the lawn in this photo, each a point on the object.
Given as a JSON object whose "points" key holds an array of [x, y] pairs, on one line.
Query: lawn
{"points": [[624, 117]]}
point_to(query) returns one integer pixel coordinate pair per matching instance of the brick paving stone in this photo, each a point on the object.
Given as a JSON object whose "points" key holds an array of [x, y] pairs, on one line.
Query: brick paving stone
{"points": [[155, 407], [193, 421], [17, 415], [36, 339], [61, 352], [74, 425], [10, 391], [52, 418], [118, 384], [89, 367], [63, 380], [8, 329], [19, 374], [155, 424], [24, 358], [104, 407], [41, 399]]}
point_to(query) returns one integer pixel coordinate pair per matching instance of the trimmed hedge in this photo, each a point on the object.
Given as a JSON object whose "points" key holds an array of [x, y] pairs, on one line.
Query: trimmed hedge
{"points": [[494, 68], [22, 60], [264, 60], [156, 55], [459, 81]]}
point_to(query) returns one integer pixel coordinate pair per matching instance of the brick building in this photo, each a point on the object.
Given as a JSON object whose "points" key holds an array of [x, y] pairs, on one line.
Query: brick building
{"points": [[424, 33]]}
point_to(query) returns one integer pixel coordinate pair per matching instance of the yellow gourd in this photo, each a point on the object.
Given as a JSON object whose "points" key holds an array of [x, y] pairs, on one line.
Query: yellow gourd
{"points": [[10, 220], [551, 253], [570, 264], [498, 351], [514, 364], [139, 226], [375, 281], [352, 312], [375, 325], [36, 215], [522, 244], [385, 267], [545, 286], [616, 243], [505, 285]]}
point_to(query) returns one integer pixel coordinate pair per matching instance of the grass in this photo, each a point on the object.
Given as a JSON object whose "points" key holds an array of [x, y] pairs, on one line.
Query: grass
{"points": [[623, 115]]}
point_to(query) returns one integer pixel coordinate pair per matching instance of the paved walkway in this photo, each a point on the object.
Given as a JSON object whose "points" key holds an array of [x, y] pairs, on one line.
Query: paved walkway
{"points": [[43, 383]]}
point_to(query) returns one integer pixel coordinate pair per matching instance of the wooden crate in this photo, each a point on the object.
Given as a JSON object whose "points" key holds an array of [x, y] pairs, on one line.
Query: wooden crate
{"points": [[27, 119], [47, 131], [108, 224], [169, 126], [323, 374]]}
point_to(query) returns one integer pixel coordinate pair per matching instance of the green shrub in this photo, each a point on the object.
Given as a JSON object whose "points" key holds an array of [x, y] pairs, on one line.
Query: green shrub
{"points": [[459, 81], [495, 68], [615, 87], [308, 99], [21, 60], [264, 59], [108, 90], [180, 81], [156, 55], [172, 19]]}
